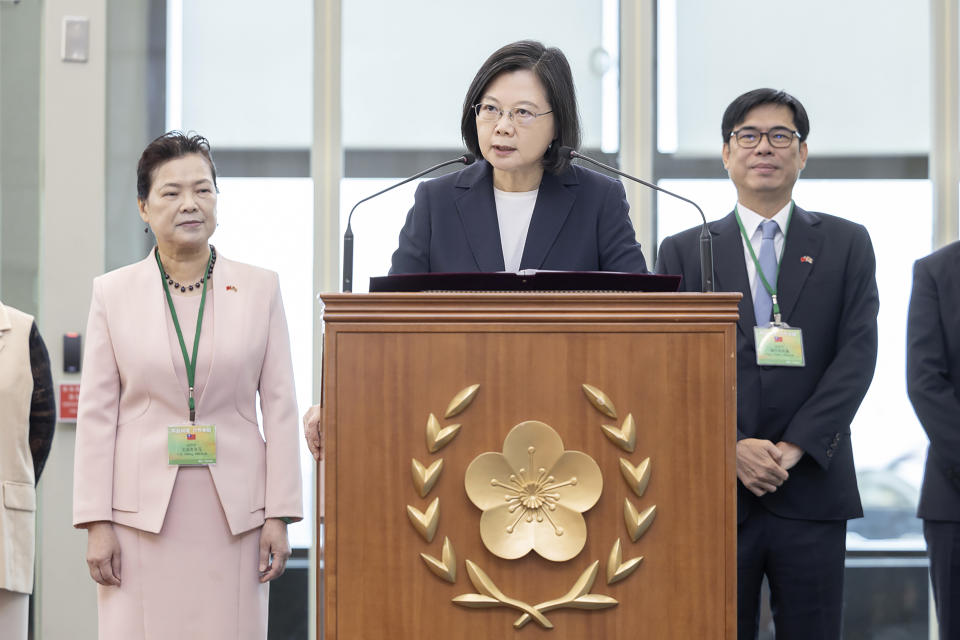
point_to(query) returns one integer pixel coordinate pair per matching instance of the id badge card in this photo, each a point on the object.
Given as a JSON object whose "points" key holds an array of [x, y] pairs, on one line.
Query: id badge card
{"points": [[779, 346], [192, 444]]}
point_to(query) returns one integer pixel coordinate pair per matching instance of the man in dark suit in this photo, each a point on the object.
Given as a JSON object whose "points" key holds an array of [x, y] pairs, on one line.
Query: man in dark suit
{"points": [[797, 485], [933, 383]]}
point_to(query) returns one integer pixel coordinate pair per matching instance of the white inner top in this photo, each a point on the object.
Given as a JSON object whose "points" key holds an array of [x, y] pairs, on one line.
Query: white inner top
{"points": [[514, 210]]}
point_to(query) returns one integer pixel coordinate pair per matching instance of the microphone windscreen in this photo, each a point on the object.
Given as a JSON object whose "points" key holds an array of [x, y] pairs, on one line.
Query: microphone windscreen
{"points": [[469, 158], [566, 152]]}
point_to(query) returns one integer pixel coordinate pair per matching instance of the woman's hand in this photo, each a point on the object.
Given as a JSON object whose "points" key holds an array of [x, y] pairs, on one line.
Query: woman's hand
{"points": [[274, 549], [103, 554], [313, 431]]}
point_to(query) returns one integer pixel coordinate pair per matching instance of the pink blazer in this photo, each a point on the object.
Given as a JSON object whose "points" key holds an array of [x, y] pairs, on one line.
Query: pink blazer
{"points": [[129, 395]]}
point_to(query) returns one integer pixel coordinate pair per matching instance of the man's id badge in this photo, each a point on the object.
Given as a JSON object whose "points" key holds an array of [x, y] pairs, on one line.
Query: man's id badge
{"points": [[779, 346], [192, 444]]}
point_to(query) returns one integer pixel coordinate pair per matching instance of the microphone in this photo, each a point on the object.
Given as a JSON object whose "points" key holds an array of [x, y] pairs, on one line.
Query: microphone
{"points": [[467, 159], [706, 240]]}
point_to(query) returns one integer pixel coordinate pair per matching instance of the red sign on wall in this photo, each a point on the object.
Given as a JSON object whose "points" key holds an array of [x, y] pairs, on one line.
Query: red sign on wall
{"points": [[69, 399]]}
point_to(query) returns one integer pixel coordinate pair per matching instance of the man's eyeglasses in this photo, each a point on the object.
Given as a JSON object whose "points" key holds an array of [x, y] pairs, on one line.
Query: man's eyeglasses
{"points": [[517, 115], [779, 137]]}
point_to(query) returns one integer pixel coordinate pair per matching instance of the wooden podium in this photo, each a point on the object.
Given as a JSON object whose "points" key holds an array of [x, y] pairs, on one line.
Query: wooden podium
{"points": [[399, 374]]}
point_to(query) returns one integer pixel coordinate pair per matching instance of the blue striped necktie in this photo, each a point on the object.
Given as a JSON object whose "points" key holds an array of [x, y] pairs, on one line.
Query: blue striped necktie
{"points": [[762, 302]]}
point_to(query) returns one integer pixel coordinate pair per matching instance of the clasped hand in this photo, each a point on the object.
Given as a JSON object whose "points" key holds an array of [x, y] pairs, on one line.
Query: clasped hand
{"points": [[762, 466]]}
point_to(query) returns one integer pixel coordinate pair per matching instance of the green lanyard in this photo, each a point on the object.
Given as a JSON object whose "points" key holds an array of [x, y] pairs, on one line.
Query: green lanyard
{"points": [[191, 364], [763, 279]]}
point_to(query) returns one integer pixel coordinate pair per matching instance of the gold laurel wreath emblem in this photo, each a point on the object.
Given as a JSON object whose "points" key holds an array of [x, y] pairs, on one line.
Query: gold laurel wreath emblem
{"points": [[579, 596]]}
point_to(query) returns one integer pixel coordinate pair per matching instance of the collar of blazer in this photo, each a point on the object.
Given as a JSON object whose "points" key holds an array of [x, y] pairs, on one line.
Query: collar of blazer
{"points": [[478, 214], [228, 295], [804, 239], [5, 325]]}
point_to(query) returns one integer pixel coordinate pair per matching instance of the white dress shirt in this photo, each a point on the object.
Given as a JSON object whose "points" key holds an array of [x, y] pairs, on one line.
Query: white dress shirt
{"points": [[751, 222]]}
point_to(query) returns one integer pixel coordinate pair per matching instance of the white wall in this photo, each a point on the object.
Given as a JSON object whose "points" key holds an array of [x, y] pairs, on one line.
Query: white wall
{"points": [[73, 109]]}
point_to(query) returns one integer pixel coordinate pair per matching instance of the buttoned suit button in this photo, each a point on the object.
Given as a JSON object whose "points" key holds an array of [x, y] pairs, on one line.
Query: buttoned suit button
{"points": [[829, 453]]}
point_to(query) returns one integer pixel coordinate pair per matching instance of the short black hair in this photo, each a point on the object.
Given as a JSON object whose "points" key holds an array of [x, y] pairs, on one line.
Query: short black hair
{"points": [[172, 144], [553, 71], [739, 108]]}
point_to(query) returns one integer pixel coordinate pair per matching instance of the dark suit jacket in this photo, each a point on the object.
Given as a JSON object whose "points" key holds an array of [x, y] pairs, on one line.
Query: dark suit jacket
{"points": [[826, 287], [580, 223], [933, 377]]}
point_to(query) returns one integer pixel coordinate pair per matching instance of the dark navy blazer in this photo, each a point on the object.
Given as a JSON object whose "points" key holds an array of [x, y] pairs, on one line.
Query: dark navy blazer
{"points": [[827, 287], [580, 223], [933, 377]]}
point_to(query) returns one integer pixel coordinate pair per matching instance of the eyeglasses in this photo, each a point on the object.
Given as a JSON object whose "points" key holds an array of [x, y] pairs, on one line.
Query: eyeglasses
{"points": [[518, 115], [779, 137]]}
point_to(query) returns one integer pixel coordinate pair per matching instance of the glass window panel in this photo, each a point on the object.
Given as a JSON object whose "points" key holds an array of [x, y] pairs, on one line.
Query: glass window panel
{"points": [[268, 222], [889, 444], [424, 54], [376, 224], [245, 76], [862, 72]]}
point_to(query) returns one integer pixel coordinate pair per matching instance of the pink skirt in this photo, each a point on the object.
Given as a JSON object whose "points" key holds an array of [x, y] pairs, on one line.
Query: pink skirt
{"points": [[193, 580]]}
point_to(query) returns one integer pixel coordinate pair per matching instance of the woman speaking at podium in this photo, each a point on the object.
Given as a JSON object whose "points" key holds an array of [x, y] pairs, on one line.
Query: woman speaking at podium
{"points": [[523, 206]]}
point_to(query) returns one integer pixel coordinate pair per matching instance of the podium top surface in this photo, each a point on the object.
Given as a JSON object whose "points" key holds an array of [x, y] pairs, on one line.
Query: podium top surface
{"points": [[526, 307]]}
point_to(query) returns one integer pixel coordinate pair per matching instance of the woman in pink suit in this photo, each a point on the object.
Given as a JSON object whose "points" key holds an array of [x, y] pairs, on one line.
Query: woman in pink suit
{"points": [[185, 499]]}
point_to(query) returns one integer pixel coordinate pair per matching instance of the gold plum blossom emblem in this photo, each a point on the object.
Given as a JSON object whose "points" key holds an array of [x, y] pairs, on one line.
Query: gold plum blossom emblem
{"points": [[534, 494]]}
